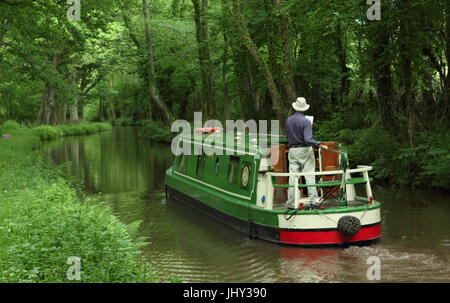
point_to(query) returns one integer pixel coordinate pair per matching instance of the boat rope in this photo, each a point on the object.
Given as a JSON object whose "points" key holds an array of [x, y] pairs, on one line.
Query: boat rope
{"points": [[364, 213], [327, 217], [323, 215], [320, 214], [291, 215], [327, 195]]}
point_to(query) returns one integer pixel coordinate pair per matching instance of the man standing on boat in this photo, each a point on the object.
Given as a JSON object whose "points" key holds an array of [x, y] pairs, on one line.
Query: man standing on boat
{"points": [[301, 154]]}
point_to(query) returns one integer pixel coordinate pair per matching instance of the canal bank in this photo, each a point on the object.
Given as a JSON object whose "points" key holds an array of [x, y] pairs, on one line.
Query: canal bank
{"points": [[127, 171], [49, 233]]}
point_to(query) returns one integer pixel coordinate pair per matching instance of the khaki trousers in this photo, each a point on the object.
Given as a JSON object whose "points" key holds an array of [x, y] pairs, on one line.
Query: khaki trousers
{"points": [[301, 159]]}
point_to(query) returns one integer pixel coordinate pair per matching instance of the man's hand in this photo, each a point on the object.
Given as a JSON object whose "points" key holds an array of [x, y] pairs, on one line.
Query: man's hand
{"points": [[323, 146]]}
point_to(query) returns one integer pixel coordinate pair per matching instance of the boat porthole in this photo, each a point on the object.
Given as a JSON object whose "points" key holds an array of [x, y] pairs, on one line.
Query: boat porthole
{"points": [[245, 175]]}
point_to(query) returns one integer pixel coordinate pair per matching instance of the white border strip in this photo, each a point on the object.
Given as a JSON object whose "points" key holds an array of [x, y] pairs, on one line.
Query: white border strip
{"points": [[221, 147], [322, 221], [215, 187]]}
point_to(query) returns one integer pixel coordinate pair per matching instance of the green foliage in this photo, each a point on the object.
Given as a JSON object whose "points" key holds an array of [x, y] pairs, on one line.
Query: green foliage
{"points": [[379, 149], [10, 125], [156, 131], [355, 73], [47, 132], [432, 158], [427, 164], [128, 122], [43, 221]]}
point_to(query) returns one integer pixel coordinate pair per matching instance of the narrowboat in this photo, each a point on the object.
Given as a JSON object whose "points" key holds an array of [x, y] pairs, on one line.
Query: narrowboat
{"points": [[247, 190]]}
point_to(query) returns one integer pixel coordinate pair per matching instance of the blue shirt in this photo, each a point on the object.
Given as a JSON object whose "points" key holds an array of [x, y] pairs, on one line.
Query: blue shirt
{"points": [[299, 131]]}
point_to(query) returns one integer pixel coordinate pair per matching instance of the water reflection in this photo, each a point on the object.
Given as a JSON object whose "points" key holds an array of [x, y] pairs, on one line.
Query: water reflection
{"points": [[128, 173]]}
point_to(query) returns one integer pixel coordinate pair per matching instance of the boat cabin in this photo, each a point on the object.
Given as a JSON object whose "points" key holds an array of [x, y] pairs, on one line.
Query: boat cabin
{"points": [[261, 175]]}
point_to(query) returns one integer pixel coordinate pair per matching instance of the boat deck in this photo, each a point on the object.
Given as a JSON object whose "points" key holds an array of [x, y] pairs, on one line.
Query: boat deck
{"points": [[330, 203]]}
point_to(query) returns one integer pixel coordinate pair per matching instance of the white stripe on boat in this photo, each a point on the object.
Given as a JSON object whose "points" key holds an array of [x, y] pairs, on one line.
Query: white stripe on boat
{"points": [[323, 220]]}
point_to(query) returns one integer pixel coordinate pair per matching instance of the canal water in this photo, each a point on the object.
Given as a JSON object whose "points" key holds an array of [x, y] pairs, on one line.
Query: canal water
{"points": [[128, 172]]}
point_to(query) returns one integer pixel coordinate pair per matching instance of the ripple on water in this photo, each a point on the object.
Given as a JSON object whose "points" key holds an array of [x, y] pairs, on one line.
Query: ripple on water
{"points": [[401, 265], [185, 269]]}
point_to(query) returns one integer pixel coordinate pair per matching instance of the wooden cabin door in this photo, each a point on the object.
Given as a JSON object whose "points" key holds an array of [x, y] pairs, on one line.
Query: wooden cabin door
{"points": [[280, 194]]}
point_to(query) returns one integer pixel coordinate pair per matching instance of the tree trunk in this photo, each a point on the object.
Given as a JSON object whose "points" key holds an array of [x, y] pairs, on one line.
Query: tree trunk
{"points": [[50, 107], [262, 64], [47, 112], [3, 23], [287, 65], [226, 98], [379, 40], [151, 81], [406, 71], [447, 54], [112, 108], [74, 112], [341, 44], [73, 108], [204, 54], [47, 106], [248, 108]]}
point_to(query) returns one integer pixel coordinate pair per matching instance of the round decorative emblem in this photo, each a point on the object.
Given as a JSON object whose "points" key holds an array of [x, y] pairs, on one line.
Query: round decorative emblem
{"points": [[245, 176]]}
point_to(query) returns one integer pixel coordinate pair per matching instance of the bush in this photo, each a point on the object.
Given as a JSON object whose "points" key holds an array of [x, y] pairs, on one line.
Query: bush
{"points": [[86, 129], [336, 129], [43, 222], [433, 159], [156, 131], [124, 122], [103, 126], [427, 164], [68, 130], [10, 125], [47, 132]]}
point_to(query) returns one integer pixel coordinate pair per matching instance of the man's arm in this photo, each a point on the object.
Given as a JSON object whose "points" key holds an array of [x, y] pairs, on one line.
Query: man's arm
{"points": [[307, 135]]}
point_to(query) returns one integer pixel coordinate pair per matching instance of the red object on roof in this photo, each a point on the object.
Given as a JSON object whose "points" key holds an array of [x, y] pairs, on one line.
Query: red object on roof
{"points": [[206, 130]]}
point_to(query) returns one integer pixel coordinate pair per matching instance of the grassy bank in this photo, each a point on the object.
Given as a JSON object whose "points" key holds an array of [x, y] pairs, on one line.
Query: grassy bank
{"points": [[47, 132], [43, 222]]}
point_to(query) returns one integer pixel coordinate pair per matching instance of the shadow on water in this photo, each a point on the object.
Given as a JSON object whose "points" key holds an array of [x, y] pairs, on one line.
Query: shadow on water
{"points": [[128, 173]]}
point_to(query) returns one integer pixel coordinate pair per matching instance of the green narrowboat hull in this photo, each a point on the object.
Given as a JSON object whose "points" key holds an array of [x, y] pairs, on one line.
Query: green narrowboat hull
{"points": [[241, 212]]}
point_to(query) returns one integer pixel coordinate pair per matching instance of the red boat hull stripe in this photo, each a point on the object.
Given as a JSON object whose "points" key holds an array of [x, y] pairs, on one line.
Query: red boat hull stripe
{"points": [[329, 237]]}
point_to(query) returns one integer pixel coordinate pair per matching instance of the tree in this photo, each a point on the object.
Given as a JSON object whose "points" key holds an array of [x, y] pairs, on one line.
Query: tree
{"points": [[151, 78], [260, 61], [206, 65]]}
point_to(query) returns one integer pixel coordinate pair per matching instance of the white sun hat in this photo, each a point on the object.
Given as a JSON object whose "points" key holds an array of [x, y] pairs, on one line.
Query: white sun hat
{"points": [[300, 105]]}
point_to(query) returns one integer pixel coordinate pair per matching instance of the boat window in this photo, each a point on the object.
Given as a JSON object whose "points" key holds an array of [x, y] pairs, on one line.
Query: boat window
{"points": [[182, 163], [201, 166], [233, 170]]}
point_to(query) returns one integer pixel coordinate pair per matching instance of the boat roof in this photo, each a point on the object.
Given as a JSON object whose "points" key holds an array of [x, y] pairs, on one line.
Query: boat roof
{"points": [[248, 142]]}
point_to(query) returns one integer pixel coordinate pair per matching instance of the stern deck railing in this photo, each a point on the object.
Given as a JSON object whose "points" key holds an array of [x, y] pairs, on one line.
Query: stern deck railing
{"points": [[346, 181]]}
